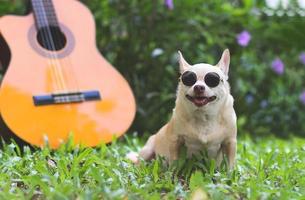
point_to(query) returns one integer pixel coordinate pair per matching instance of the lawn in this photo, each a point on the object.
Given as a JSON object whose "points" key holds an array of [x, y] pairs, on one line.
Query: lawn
{"points": [[267, 168]]}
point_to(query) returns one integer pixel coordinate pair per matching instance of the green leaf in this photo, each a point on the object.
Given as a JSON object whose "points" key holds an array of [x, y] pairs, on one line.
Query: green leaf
{"points": [[196, 180], [155, 170]]}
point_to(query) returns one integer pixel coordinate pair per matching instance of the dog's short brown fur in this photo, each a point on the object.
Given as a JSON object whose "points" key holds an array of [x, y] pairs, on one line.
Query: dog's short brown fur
{"points": [[210, 127]]}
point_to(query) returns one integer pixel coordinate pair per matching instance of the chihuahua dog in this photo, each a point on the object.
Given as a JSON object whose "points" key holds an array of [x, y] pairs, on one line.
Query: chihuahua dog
{"points": [[203, 118]]}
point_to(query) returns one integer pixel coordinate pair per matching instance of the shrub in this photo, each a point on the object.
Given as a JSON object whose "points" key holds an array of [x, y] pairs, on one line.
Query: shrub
{"points": [[141, 39]]}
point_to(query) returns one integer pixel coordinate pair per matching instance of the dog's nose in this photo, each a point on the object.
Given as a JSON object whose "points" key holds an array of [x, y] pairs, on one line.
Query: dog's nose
{"points": [[199, 89]]}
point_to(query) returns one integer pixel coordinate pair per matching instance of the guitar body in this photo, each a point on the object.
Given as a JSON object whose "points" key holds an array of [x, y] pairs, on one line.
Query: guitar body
{"points": [[78, 67]]}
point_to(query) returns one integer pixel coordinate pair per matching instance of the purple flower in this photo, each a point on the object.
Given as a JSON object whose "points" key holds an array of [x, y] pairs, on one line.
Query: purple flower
{"points": [[243, 38], [302, 97], [264, 103], [249, 98], [277, 66], [169, 4], [302, 58]]}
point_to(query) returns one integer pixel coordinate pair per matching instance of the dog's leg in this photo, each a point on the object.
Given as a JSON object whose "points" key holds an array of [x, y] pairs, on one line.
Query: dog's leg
{"points": [[229, 149], [148, 151], [174, 150], [215, 152], [219, 158]]}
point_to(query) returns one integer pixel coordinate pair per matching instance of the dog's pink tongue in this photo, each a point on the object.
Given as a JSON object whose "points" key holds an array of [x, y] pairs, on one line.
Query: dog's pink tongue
{"points": [[200, 102]]}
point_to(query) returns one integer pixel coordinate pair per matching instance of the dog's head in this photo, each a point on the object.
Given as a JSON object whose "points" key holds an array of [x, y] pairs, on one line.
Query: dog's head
{"points": [[204, 86]]}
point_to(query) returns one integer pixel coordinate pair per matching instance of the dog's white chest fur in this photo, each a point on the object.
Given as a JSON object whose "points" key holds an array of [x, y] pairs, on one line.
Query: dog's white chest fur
{"points": [[202, 126]]}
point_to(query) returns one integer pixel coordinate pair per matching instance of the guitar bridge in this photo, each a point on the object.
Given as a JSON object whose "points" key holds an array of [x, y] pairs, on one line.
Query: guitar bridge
{"points": [[66, 98]]}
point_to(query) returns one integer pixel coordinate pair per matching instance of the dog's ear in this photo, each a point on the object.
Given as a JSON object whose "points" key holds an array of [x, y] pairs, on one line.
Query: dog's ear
{"points": [[183, 64], [224, 62]]}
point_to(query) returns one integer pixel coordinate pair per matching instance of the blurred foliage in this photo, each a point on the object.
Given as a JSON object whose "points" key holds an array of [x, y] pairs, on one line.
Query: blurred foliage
{"points": [[141, 39]]}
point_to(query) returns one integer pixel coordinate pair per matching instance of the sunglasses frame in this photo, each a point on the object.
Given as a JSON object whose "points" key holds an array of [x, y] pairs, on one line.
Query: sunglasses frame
{"points": [[181, 74]]}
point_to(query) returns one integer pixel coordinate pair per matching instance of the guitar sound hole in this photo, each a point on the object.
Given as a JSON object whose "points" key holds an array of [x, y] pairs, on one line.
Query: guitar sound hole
{"points": [[51, 38]]}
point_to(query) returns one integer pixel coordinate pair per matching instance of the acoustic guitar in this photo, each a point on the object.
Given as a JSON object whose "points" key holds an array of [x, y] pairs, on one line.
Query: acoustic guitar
{"points": [[57, 84]]}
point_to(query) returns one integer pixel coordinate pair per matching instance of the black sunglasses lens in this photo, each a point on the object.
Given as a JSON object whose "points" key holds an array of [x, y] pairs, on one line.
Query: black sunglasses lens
{"points": [[189, 78], [212, 79]]}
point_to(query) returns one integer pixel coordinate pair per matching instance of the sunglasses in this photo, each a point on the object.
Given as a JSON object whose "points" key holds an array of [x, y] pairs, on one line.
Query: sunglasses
{"points": [[211, 79]]}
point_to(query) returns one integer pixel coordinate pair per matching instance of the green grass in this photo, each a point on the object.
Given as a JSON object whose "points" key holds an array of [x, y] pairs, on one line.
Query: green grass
{"points": [[267, 168]]}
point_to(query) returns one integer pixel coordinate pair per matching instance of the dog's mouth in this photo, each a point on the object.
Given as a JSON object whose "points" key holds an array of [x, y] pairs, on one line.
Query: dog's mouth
{"points": [[200, 101]]}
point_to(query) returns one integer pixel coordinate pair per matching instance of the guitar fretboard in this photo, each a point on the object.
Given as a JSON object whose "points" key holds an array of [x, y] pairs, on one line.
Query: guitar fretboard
{"points": [[44, 13]]}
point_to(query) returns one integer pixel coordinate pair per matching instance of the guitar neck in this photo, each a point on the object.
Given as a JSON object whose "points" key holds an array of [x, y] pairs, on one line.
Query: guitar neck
{"points": [[44, 13]]}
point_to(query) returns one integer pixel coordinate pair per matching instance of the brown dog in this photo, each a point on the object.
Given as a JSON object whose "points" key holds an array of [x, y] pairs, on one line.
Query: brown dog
{"points": [[203, 118]]}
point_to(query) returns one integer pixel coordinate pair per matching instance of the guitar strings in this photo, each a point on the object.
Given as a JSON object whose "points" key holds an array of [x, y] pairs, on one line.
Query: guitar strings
{"points": [[54, 59], [62, 70], [67, 62], [46, 43], [48, 4]]}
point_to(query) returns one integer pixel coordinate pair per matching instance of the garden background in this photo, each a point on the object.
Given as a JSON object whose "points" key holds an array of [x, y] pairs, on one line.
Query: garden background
{"points": [[267, 46], [267, 72]]}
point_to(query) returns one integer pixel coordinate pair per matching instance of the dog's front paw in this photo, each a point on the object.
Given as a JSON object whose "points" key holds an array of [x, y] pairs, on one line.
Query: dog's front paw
{"points": [[133, 156]]}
